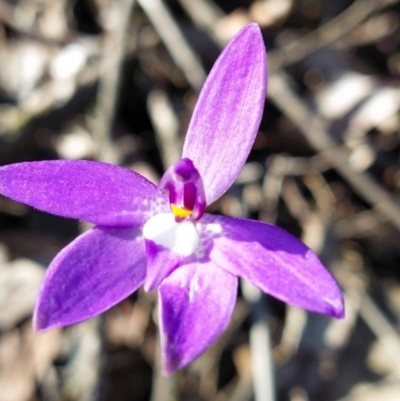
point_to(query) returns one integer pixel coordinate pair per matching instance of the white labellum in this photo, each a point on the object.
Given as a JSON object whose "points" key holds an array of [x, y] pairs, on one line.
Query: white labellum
{"points": [[181, 238]]}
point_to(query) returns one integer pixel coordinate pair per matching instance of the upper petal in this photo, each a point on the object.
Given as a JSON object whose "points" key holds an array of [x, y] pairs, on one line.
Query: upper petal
{"points": [[100, 193], [273, 260], [195, 305], [93, 273], [226, 118]]}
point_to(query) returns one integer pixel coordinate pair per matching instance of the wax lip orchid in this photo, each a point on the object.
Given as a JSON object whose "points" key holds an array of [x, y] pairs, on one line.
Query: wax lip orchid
{"points": [[161, 236]]}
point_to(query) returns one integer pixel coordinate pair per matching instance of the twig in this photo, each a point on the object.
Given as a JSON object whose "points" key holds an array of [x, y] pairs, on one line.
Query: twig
{"points": [[359, 225], [260, 345], [164, 388], [204, 13], [7, 17], [291, 105], [109, 83], [326, 34], [271, 190], [295, 201], [359, 302], [380, 326], [207, 365], [166, 126], [82, 373], [174, 41]]}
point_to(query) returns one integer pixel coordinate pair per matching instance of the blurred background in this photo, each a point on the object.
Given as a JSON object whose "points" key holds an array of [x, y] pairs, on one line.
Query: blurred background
{"points": [[116, 81]]}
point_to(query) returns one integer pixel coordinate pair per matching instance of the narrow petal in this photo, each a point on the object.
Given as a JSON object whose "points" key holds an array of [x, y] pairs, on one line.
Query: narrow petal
{"points": [[93, 273], [195, 305], [228, 112], [100, 193], [273, 260], [161, 261]]}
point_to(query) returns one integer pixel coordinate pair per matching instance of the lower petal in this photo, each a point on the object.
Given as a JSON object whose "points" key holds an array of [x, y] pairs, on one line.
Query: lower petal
{"points": [[93, 273], [196, 303], [161, 261], [274, 261]]}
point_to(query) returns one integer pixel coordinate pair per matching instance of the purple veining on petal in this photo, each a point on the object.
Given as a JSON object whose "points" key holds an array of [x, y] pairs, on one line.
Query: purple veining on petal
{"points": [[185, 188], [273, 260], [195, 305], [100, 193], [228, 112], [93, 273], [161, 261]]}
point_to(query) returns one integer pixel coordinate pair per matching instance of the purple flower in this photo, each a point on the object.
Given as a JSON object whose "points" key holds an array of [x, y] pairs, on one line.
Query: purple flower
{"points": [[161, 237]]}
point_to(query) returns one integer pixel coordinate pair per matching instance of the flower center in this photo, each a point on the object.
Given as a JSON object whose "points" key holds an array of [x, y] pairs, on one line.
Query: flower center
{"points": [[180, 212], [165, 232], [185, 190], [177, 231]]}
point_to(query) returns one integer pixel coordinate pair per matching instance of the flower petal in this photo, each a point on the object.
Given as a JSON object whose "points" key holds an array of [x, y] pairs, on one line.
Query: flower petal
{"points": [[93, 273], [195, 305], [100, 193], [273, 260], [226, 118], [161, 261]]}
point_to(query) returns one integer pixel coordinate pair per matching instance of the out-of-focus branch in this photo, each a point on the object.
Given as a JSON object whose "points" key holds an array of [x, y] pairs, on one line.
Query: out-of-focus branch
{"points": [[262, 365], [286, 99], [117, 25], [166, 126], [326, 34], [382, 328], [176, 44], [164, 388], [7, 16], [204, 13]]}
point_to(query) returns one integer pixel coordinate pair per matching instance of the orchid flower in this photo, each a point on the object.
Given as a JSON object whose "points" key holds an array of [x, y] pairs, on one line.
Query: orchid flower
{"points": [[161, 237]]}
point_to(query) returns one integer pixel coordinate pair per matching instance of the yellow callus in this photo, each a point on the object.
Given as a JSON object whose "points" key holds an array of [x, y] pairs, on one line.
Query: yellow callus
{"points": [[180, 211]]}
